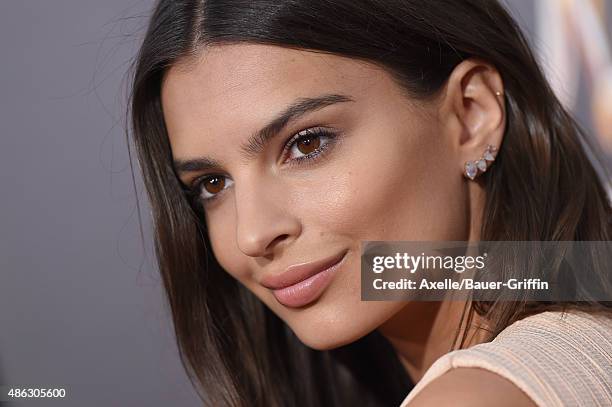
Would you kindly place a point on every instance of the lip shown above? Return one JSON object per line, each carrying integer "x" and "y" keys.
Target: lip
{"x": 301, "y": 284}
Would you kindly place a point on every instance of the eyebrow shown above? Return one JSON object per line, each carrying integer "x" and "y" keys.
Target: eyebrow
{"x": 256, "y": 142}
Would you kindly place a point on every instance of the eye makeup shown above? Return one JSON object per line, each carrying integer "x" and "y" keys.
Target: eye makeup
{"x": 326, "y": 138}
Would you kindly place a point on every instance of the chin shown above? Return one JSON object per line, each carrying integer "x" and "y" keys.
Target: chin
{"x": 326, "y": 342}
{"x": 325, "y": 334}
{"x": 328, "y": 325}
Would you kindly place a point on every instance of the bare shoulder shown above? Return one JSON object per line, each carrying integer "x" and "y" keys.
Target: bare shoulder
{"x": 468, "y": 386}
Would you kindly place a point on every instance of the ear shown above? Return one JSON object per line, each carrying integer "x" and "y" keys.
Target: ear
{"x": 473, "y": 113}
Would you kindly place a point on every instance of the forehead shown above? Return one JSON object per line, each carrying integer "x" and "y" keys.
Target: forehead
{"x": 230, "y": 90}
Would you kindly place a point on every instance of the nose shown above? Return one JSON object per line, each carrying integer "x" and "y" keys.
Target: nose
{"x": 264, "y": 218}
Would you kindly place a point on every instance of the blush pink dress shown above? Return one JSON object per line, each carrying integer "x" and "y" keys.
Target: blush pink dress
{"x": 556, "y": 359}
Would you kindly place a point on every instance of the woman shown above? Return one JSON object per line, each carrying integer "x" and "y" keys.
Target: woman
{"x": 274, "y": 137}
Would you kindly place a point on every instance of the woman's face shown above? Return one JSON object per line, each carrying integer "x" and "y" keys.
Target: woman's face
{"x": 357, "y": 160}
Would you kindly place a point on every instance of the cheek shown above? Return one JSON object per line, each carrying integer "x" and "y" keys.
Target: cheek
{"x": 395, "y": 187}
{"x": 223, "y": 244}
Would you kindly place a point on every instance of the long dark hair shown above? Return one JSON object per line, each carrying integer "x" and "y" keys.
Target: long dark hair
{"x": 542, "y": 186}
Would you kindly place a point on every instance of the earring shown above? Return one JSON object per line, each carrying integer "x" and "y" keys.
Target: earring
{"x": 471, "y": 168}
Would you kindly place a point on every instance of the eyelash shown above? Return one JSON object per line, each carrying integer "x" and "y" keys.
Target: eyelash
{"x": 312, "y": 132}
{"x": 195, "y": 190}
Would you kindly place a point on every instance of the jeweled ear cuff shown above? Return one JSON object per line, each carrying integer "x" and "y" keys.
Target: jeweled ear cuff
{"x": 472, "y": 168}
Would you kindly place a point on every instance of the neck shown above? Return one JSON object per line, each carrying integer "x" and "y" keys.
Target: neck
{"x": 421, "y": 332}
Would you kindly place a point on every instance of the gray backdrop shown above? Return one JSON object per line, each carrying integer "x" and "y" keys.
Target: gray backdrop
{"x": 81, "y": 304}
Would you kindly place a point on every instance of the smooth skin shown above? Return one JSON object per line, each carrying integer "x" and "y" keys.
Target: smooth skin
{"x": 391, "y": 171}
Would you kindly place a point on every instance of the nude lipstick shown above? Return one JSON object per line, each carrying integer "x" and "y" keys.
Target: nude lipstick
{"x": 302, "y": 284}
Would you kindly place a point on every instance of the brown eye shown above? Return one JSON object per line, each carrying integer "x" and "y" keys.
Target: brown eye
{"x": 308, "y": 144}
{"x": 214, "y": 185}
{"x": 210, "y": 186}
